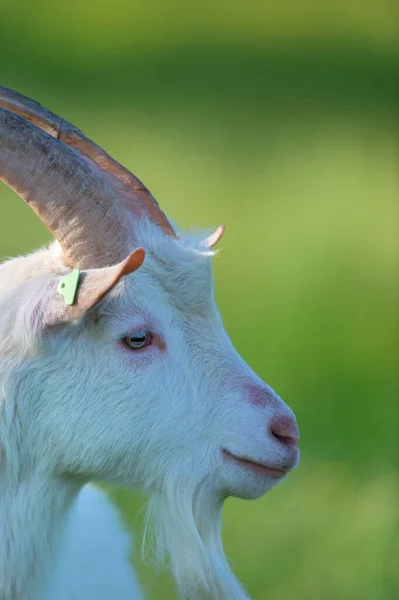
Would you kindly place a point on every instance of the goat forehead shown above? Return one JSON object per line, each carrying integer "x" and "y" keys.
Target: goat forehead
{"x": 182, "y": 280}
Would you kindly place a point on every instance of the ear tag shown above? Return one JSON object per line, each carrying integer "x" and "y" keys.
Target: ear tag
{"x": 68, "y": 285}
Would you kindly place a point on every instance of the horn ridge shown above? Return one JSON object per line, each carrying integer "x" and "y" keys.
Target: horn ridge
{"x": 68, "y": 193}
{"x": 71, "y": 136}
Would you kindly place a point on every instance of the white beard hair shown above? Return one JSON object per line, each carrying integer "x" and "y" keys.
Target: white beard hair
{"x": 184, "y": 523}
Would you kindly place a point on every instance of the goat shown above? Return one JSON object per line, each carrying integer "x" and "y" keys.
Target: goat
{"x": 133, "y": 380}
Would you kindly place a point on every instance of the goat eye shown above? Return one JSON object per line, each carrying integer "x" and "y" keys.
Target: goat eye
{"x": 138, "y": 341}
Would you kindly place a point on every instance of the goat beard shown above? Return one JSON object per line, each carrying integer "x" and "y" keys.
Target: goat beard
{"x": 184, "y": 523}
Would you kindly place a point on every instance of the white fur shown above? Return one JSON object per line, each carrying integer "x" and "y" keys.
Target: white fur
{"x": 76, "y": 406}
{"x": 93, "y": 562}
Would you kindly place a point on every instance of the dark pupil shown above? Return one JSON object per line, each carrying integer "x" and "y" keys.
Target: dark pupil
{"x": 139, "y": 339}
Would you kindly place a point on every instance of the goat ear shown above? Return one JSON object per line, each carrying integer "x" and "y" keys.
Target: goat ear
{"x": 215, "y": 237}
{"x": 58, "y": 305}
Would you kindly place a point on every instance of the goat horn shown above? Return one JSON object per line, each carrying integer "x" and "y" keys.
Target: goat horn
{"x": 87, "y": 161}
{"x": 65, "y": 191}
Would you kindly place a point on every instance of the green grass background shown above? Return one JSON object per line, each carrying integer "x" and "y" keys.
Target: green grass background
{"x": 279, "y": 120}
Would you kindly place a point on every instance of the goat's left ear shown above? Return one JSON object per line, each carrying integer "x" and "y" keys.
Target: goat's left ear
{"x": 70, "y": 297}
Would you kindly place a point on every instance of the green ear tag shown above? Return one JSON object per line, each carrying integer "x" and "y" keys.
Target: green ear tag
{"x": 68, "y": 285}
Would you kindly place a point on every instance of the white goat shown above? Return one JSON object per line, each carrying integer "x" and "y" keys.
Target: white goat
{"x": 135, "y": 381}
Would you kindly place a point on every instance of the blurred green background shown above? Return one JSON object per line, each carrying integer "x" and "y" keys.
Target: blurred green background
{"x": 278, "y": 119}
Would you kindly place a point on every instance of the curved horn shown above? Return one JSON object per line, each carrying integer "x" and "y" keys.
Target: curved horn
{"x": 71, "y": 198}
{"x": 114, "y": 180}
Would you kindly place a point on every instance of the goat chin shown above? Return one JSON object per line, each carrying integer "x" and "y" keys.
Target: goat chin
{"x": 183, "y": 523}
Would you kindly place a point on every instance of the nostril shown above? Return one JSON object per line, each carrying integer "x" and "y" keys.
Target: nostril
{"x": 285, "y": 430}
{"x": 287, "y": 440}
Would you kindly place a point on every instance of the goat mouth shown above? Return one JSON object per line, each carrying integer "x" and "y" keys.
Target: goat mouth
{"x": 255, "y": 467}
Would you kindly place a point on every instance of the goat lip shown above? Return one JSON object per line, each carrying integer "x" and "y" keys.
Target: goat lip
{"x": 256, "y": 467}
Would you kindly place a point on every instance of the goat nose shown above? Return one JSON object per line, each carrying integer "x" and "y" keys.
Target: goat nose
{"x": 285, "y": 430}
